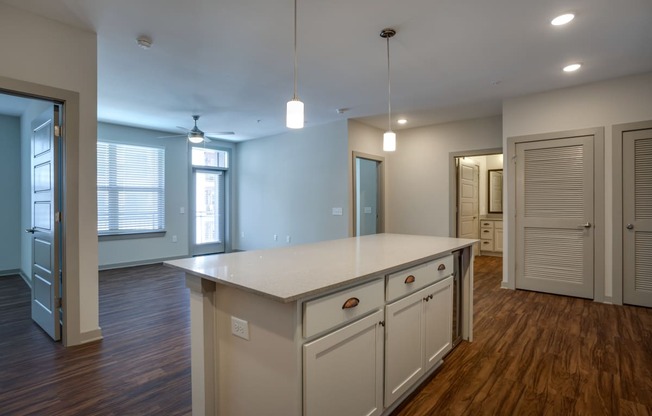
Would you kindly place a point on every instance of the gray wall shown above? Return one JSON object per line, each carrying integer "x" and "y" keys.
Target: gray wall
{"x": 288, "y": 185}
{"x": 418, "y": 182}
{"x": 601, "y": 104}
{"x": 114, "y": 253}
{"x": 10, "y": 190}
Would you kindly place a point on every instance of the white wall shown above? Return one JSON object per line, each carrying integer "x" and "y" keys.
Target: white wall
{"x": 288, "y": 185}
{"x": 10, "y": 232}
{"x": 48, "y": 53}
{"x": 601, "y": 104}
{"x": 418, "y": 183}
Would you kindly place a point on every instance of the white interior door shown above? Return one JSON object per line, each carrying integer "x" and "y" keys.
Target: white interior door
{"x": 637, "y": 217}
{"x": 367, "y": 196}
{"x": 468, "y": 204}
{"x": 46, "y": 274}
{"x": 554, "y": 216}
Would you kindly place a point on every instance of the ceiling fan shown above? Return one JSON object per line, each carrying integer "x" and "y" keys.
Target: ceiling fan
{"x": 195, "y": 135}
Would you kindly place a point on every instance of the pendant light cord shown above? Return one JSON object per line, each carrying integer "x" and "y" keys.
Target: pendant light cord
{"x": 389, "y": 91}
{"x": 295, "y": 51}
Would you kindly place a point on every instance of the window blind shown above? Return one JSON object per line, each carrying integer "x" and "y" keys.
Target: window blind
{"x": 130, "y": 188}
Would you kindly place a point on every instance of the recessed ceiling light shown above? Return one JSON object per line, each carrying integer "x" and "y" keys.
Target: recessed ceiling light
{"x": 562, "y": 19}
{"x": 572, "y": 67}
{"x": 401, "y": 121}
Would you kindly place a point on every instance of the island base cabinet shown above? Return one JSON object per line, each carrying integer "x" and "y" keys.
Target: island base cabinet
{"x": 419, "y": 334}
{"x": 343, "y": 370}
{"x": 438, "y": 325}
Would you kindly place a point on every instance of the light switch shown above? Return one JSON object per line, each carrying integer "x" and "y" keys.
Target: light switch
{"x": 367, "y": 210}
{"x": 182, "y": 210}
{"x": 337, "y": 211}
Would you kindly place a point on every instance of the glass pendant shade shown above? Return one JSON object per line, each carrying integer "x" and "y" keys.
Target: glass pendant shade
{"x": 295, "y": 114}
{"x": 389, "y": 141}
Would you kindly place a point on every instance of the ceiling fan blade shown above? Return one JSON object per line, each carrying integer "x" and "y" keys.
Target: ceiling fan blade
{"x": 221, "y": 133}
{"x": 169, "y": 137}
{"x": 183, "y": 128}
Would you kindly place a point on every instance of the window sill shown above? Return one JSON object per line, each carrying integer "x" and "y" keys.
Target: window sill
{"x": 130, "y": 236}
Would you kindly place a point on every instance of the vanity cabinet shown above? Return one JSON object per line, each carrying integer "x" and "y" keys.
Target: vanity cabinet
{"x": 491, "y": 234}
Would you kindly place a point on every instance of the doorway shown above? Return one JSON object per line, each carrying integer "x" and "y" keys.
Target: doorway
{"x": 472, "y": 214}
{"x": 34, "y": 197}
{"x": 368, "y": 198}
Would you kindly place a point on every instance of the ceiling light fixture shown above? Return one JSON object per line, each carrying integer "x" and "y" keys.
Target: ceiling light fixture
{"x": 389, "y": 138}
{"x": 401, "y": 121}
{"x": 294, "y": 118}
{"x": 572, "y": 67}
{"x": 562, "y": 19}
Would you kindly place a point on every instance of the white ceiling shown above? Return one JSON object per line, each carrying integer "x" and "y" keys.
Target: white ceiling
{"x": 232, "y": 61}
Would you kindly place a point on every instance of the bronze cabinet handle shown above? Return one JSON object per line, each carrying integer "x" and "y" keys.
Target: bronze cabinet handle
{"x": 410, "y": 279}
{"x": 351, "y": 303}
{"x": 441, "y": 267}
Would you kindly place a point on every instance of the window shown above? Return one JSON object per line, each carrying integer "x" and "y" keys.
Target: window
{"x": 130, "y": 189}
{"x": 213, "y": 158}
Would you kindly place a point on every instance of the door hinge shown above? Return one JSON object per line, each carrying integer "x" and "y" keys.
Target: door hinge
{"x": 58, "y": 303}
{"x": 57, "y": 131}
{"x": 57, "y": 216}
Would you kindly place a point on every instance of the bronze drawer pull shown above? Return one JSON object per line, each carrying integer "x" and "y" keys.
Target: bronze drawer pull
{"x": 410, "y": 279}
{"x": 351, "y": 303}
{"x": 441, "y": 267}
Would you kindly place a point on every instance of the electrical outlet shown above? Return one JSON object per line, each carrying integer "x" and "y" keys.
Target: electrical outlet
{"x": 275, "y": 237}
{"x": 174, "y": 239}
{"x": 240, "y": 328}
{"x": 288, "y": 239}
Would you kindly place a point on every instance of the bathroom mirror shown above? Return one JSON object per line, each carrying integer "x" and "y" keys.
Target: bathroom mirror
{"x": 495, "y": 188}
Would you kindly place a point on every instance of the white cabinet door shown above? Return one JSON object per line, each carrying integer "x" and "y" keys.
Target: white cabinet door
{"x": 404, "y": 363}
{"x": 343, "y": 371}
{"x": 498, "y": 240}
{"x": 438, "y": 321}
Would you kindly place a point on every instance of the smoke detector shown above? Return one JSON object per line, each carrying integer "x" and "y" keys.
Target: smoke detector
{"x": 144, "y": 42}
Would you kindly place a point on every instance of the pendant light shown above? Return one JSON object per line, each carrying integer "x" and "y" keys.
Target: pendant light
{"x": 389, "y": 138}
{"x": 294, "y": 118}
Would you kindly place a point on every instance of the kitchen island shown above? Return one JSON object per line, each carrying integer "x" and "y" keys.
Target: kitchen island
{"x": 347, "y": 327}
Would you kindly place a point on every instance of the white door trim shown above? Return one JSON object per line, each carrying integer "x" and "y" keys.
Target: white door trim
{"x": 509, "y": 216}
{"x": 618, "y": 131}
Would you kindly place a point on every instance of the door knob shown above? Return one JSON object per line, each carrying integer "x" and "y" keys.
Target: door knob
{"x": 587, "y": 225}
{"x": 30, "y": 230}
{"x": 630, "y": 226}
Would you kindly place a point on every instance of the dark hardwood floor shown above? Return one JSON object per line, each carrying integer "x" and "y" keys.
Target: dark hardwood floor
{"x": 540, "y": 354}
{"x": 141, "y": 367}
{"x": 532, "y": 354}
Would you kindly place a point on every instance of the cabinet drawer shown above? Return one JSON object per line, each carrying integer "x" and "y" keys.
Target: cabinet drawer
{"x": 332, "y": 310}
{"x": 414, "y": 278}
{"x": 487, "y": 245}
{"x": 487, "y": 233}
{"x": 487, "y": 224}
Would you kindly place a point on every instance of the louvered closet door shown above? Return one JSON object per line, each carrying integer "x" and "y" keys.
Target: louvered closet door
{"x": 637, "y": 218}
{"x": 554, "y": 216}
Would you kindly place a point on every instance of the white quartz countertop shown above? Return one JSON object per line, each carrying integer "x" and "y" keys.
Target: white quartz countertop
{"x": 290, "y": 273}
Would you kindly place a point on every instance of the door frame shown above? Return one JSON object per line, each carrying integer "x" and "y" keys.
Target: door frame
{"x": 618, "y": 130}
{"x": 381, "y": 191}
{"x": 452, "y": 182}
{"x": 69, "y": 168}
{"x": 509, "y": 214}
